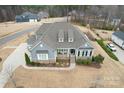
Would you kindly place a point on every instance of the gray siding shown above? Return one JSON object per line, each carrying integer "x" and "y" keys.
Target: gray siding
{"x": 51, "y": 52}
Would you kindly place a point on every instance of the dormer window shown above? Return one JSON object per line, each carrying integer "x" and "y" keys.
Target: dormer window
{"x": 61, "y": 36}
{"x": 61, "y": 39}
{"x": 70, "y": 40}
{"x": 70, "y": 36}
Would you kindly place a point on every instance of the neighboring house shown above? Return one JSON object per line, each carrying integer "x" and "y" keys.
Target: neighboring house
{"x": 27, "y": 17}
{"x": 42, "y": 15}
{"x": 60, "y": 39}
{"x": 115, "y": 21}
{"x": 118, "y": 38}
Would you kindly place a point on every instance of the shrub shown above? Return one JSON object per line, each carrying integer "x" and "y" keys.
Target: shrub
{"x": 84, "y": 61}
{"x": 0, "y": 59}
{"x": 27, "y": 59}
{"x": 98, "y": 59}
{"x": 108, "y": 51}
{"x": 83, "y": 24}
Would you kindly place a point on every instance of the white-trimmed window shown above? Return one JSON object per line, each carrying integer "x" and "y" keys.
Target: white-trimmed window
{"x": 42, "y": 56}
{"x": 61, "y": 39}
{"x": 70, "y": 40}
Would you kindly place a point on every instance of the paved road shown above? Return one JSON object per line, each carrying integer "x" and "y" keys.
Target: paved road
{"x": 119, "y": 53}
{"x": 8, "y": 38}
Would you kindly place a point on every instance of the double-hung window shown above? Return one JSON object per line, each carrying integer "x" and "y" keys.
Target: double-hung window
{"x": 42, "y": 56}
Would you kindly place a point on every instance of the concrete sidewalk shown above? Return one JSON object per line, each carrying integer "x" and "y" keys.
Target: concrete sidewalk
{"x": 12, "y": 62}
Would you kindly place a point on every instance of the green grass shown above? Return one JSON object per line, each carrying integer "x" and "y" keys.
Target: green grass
{"x": 107, "y": 50}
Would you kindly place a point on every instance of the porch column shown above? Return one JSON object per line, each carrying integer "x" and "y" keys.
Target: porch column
{"x": 68, "y": 52}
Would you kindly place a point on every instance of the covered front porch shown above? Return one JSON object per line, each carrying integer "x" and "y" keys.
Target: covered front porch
{"x": 65, "y": 52}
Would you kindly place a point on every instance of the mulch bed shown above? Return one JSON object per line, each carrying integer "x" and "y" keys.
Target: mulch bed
{"x": 59, "y": 63}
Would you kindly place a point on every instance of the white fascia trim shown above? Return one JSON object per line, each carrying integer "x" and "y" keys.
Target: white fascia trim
{"x": 35, "y": 45}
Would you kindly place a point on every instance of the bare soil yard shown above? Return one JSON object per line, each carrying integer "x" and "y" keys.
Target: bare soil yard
{"x": 81, "y": 76}
{"x": 12, "y": 27}
{"x": 104, "y": 34}
{"x": 7, "y": 28}
{"x": 109, "y": 75}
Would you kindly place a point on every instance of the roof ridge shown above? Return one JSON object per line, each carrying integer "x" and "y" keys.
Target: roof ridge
{"x": 41, "y": 37}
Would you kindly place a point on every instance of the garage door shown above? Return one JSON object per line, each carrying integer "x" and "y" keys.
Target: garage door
{"x": 42, "y": 56}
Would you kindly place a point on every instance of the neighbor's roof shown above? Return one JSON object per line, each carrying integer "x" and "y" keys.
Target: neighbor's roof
{"x": 48, "y": 34}
{"x": 26, "y": 15}
{"x": 119, "y": 34}
{"x": 43, "y": 14}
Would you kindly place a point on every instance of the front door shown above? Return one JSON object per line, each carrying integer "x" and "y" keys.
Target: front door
{"x": 72, "y": 51}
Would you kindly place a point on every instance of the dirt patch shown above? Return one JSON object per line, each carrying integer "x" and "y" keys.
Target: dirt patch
{"x": 12, "y": 27}
{"x": 4, "y": 53}
{"x": 104, "y": 34}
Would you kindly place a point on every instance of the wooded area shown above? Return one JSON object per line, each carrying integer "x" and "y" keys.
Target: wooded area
{"x": 8, "y": 12}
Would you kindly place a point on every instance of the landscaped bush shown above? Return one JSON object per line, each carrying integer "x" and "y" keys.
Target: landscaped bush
{"x": 84, "y": 61}
{"x": 98, "y": 59}
{"x": 108, "y": 51}
{"x": 27, "y": 59}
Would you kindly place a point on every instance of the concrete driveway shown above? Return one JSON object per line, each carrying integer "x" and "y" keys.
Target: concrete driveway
{"x": 13, "y": 61}
{"x": 119, "y": 53}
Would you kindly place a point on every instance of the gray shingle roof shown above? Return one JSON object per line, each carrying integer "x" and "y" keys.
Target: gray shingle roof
{"x": 50, "y": 31}
{"x": 119, "y": 34}
{"x": 61, "y": 34}
{"x": 42, "y": 51}
{"x": 70, "y": 33}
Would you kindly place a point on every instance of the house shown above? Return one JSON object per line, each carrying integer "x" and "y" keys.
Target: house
{"x": 60, "y": 39}
{"x": 118, "y": 38}
{"x": 27, "y": 17}
{"x": 42, "y": 15}
{"x": 115, "y": 21}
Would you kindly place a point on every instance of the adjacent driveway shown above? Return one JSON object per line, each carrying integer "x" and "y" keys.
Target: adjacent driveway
{"x": 119, "y": 53}
{"x": 12, "y": 62}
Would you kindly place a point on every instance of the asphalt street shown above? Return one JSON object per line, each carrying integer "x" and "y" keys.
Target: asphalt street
{"x": 8, "y": 38}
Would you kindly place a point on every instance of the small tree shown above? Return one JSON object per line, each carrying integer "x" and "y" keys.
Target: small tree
{"x": 27, "y": 59}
